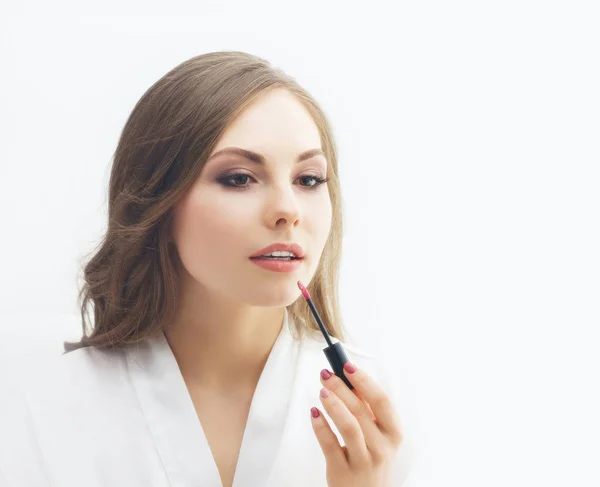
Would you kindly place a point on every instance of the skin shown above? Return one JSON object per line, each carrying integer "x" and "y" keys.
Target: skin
{"x": 369, "y": 425}
{"x": 231, "y": 310}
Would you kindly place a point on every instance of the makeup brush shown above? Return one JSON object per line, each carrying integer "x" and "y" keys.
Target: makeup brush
{"x": 334, "y": 352}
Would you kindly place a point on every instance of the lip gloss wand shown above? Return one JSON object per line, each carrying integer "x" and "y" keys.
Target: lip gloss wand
{"x": 334, "y": 352}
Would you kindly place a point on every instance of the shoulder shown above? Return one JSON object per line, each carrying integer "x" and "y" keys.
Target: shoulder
{"x": 78, "y": 370}
{"x": 67, "y": 403}
{"x": 62, "y": 384}
{"x": 21, "y": 461}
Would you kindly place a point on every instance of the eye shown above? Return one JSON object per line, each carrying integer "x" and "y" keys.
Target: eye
{"x": 317, "y": 181}
{"x": 240, "y": 181}
{"x": 236, "y": 178}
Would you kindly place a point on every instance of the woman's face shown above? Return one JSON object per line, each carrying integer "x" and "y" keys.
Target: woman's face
{"x": 237, "y": 207}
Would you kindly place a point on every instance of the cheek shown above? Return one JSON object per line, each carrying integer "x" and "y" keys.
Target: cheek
{"x": 320, "y": 214}
{"x": 209, "y": 229}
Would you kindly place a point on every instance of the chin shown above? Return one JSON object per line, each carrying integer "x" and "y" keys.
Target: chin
{"x": 273, "y": 295}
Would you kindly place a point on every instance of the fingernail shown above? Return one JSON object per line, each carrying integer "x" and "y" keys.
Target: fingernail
{"x": 325, "y": 392}
{"x": 314, "y": 412}
{"x": 325, "y": 374}
{"x": 348, "y": 367}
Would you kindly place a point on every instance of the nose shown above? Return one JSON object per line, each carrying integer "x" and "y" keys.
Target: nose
{"x": 283, "y": 208}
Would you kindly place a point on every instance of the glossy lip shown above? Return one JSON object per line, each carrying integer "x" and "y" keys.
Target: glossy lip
{"x": 279, "y": 265}
{"x": 290, "y": 247}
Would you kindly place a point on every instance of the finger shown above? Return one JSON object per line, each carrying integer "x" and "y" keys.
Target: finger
{"x": 359, "y": 408}
{"x": 364, "y": 401}
{"x": 381, "y": 404}
{"x": 328, "y": 441}
{"x": 347, "y": 425}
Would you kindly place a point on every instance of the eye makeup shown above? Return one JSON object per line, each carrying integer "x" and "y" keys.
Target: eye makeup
{"x": 226, "y": 180}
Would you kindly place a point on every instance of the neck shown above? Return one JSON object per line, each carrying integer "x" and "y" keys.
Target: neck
{"x": 221, "y": 345}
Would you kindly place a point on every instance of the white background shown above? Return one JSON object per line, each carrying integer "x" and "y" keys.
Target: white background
{"x": 469, "y": 157}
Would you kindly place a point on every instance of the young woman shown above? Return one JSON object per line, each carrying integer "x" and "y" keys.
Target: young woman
{"x": 203, "y": 364}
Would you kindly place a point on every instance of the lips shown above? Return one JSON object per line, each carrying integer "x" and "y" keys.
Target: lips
{"x": 279, "y": 265}
{"x": 293, "y": 247}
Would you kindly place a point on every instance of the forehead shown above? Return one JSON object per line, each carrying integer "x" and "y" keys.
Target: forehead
{"x": 276, "y": 124}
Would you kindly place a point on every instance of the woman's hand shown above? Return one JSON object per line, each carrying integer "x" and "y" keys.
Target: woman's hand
{"x": 367, "y": 422}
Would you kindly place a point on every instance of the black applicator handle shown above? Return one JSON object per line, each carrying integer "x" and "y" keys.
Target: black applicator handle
{"x": 336, "y": 356}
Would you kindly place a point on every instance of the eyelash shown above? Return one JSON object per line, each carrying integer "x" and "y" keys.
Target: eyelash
{"x": 224, "y": 181}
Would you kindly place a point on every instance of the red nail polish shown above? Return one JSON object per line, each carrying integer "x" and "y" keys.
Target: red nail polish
{"x": 348, "y": 367}
{"x": 325, "y": 374}
{"x": 315, "y": 412}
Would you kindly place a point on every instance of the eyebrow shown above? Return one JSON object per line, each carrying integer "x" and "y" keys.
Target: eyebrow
{"x": 259, "y": 159}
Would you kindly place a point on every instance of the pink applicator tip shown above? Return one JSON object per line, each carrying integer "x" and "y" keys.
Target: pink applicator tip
{"x": 305, "y": 292}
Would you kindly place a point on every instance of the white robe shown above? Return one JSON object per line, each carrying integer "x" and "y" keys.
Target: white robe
{"x": 99, "y": 418}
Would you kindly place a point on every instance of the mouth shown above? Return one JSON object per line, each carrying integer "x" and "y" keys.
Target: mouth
{"x": 278, "y": 264}
{"x": 280, "y": 251}
{"x": 276, "y": 258}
